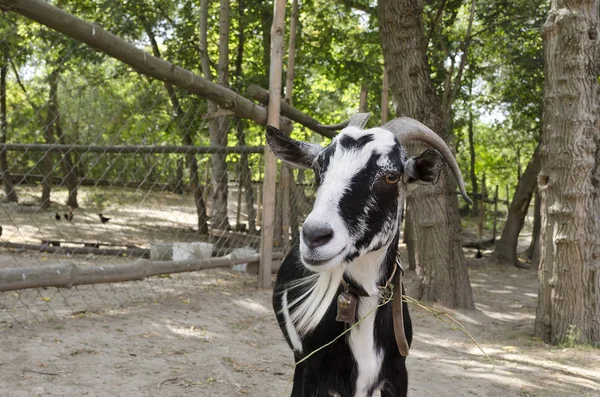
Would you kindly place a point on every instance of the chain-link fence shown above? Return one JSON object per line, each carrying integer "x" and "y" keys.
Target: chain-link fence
{"x": 102, "y": 166}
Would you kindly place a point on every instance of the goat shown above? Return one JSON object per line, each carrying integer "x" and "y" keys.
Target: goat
{"x": 348, "y": 249}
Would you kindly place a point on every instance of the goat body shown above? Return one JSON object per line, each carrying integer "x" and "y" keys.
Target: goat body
{"x": 365, "y": 359}
{"x": 350, "y": 239}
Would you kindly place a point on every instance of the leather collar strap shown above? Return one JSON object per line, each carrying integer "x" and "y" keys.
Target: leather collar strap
{"x": 398, "y": 314}
{"x": 355, "y": 290}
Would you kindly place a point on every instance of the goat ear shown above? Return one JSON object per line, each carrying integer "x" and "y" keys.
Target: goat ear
{"x": 425, "y": 168}
{"x": 298, "y": 154}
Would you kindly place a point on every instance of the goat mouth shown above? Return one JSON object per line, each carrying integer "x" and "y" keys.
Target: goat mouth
{"x": 319, "y": 262}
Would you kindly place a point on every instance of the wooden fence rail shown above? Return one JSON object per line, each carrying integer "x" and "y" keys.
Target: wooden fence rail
{"x": 67, "y": 275}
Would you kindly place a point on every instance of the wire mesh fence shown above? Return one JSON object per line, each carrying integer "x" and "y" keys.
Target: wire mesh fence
{"x": 101, "y": 166}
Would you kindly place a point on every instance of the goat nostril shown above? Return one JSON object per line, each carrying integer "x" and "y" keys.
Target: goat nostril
{"x": 316, "y": 235}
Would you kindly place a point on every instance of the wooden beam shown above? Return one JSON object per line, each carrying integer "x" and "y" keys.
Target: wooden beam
{"x": 112, "y": 45}
{"x": 67, "y": 275}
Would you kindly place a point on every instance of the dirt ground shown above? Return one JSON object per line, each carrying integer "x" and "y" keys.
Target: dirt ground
{"x": 212, "y": 333}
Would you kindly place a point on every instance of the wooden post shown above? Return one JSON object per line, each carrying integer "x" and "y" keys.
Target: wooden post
{"x": 385, "y": 101}
{"x": 270, "y": 182}
{"x": 494, "y": 231}
{"x": 364, "y": 91}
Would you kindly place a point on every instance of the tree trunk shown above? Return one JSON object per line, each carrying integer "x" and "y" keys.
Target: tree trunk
{"x": 217, "y": 126}
{"x": 245, "y": 174}
{"x": 9, "y": 188}
{"x": 363, "y": 100}
{"x": 569, "y": 272}
{"x": 410, "y": 240}
{"x": 472, "y": 160}
{"x": 71, "y": 177}
{"x": 506, "y": 247}
{"x": 187, "y": 139}
{"x": 533, "y": 252}
{"x": 246, "y": 178}
{"x": 49, "y": 138}
{"x": 385, "y": 101}
{"x": 434, "y": 209}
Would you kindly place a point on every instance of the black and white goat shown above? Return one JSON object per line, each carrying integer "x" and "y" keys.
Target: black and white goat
{"x": 348, "y": 244}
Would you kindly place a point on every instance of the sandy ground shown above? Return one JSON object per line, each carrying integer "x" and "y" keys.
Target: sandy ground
{"x": 212, "y": 333}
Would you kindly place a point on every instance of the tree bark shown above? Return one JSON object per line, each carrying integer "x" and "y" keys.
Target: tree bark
{"x": 9, "y": 188}
{"x": 506, "y": 247}
{"x": 385, "y": 101}
{"x": 533, "y": 252}
{"x": 569, "y": 181}
{"x": 434, "y": 209}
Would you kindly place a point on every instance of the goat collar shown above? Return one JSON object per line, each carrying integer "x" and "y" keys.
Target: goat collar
{"x": 398, "y": 313}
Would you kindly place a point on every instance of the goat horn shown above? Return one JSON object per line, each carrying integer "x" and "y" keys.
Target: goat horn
{"x": 407, "y": 129}
{"x": 356, "y": 120}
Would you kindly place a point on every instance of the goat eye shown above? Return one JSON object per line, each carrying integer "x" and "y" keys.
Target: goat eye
{"x": 392, "y": 179}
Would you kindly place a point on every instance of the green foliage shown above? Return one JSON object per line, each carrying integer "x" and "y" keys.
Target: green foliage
{"x": 104, "y": 102}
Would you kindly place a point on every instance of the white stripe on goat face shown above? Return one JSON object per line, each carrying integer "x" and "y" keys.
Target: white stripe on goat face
{"x": 349, "y": 172}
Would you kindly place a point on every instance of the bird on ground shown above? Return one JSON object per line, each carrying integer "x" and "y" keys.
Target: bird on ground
{"x": 56, "y": 216}
{"x": 103, "y": 219}
{"x": 69, "y": 216}
{"x": 478, "y": 255}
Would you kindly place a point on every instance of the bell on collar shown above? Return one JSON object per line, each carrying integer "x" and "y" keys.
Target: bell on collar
{"x": 346, "y": 308}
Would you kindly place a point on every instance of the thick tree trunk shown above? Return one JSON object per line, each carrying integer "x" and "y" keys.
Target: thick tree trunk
{"x": 506, "y": 247}
{"x": 569, "y": 295}
{"x": 410, "y": 239}
{"x": 9, "y": 188}
{"x": 187, "y": 139}
{"x": 434, "y": 209}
